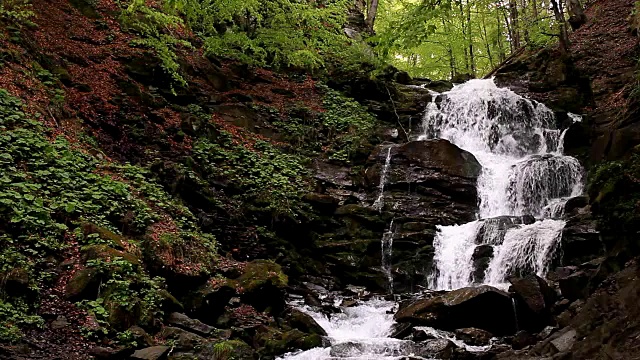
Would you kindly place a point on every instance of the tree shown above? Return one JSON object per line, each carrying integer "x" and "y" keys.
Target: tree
{"x": 372, "y": 12}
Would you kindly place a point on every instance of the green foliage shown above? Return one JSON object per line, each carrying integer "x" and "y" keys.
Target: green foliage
{"x": 16, "y": 12}
{"x": 348, "y": 124}
{"x": 444, "y": 39}
{"x": 14, "y": 316}
{"x": 338, "y": 132}
{"x": 614, "y": 187}
{"x": 156, "y": 29}
{"x": 263, "y": 175}
{"x": 126, "y": 287}
{"x": 48, "y": 187}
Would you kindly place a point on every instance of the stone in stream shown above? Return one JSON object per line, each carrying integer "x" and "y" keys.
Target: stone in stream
{"x": 473, "y": 336}
{"x": 482, "y": 307}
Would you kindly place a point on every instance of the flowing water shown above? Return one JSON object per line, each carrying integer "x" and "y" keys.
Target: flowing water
{"x": 387, "y": 253}
{"x": 361, "y": 333}
{"x": 524, "y": 173}
{"x": 523, "y": 187}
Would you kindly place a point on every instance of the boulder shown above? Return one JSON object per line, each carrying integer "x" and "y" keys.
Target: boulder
{"x": 534, "y": 299}
{"x": 576, "y": 285}
{"x": 473, "y": 336}
{"x": 262, "y": 285}
{"x": 482, "y": 307}
{"x": 82, "y": 285}
{"x": 183, "y": 340}
{"x": 436, "y": 348}
{"x": 304, "y": 322}
{"x": 195, "y": 326}
{"x": 151, "y": 353}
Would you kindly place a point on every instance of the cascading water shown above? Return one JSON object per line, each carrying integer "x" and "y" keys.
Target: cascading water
{"x": 379, "y": 203}
{"x": 387, "y": 253}
{"x": 524, "y": 174}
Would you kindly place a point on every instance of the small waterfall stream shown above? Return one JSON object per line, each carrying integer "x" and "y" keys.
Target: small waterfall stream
{"x": 524, "y": 174}
{"x": 387, "y": 253}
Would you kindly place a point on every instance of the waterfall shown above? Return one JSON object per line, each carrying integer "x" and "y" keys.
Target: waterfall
{"x": 379, "y": 203}
{"x": 524, "y": 176}
{"x": 387, "y": 253}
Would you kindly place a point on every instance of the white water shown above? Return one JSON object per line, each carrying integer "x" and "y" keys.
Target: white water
{"x": 379, "y": 203}
{"x": 523, "y": 173}
{"x": 387, "y": 254}
{"x": 367, "y": 325}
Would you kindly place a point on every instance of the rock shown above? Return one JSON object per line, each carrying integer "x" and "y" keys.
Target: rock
{"x": 272, "y": 342}
{"x": 59, "y": 323}
{"x": 401, "y": 330}
{"x": 104, "y": 353}
{"x": 169, "y": 303}
{"x": 151, "y": 353}
{"x": 353, "y": 349}
{"x": 15, "y": 282}
{"x": 229, "y": 349}
{"x": 522, "y": 339}
{"x": 473, "y": 336}
{"x": 196, "y": 326}
{"x": 420, "y": 334}
{"x": 262, "y": 285}
{"x": 565, "y": 341}
{"x": 349, "y": 303}
{"x": 209, "y": 302}
{"x": 435, "y": 348}
{"x": 140, "y": 336}
{"x": 482, "y": 256}
{"x": 104, "y": 252}
{"x": 534, "y": 298}
{"x": 82, "y": 285}
{"x": 304, "y": 322}
{"x": 576, "y": 285}
{"x": 183, "y": 339}
{"x": 482, "y": 307}
{"x": 581, "y": 241}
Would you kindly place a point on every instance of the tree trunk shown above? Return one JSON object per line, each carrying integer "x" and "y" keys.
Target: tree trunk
{"x": 515, "y": 28}
{"x": 360, "y": 5}
{"x": 470, "y": 40}
{"x": 371, "y": 14}
{"x": 564, "y": 37}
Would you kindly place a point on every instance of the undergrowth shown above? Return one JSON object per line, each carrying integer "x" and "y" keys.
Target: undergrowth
{"x": 48, "y": 189}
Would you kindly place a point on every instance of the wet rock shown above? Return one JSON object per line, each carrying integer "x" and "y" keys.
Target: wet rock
{"x": 438, "y": 348}
{"x": 418, "y": 334}
{"x": 482, "y": 307}
{"x": 272, "y": 342}
{"x": 401, "y": 330}
{"x": 473, "y": 336}
{"x": 151, "y": 353}
{"x": 482, "y": 256}
{"x": 581, "y": 241}
{"x": 304, "y": 322}
{"x": 189, "y": 324}
{"x": 534, "y": 299}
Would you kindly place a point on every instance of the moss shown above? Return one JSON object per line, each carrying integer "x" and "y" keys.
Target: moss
{"x": 262, "y": 272}
{"x": 104, "y": 252}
